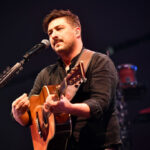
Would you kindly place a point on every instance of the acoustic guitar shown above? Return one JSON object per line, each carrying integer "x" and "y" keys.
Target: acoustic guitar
{"x": 46, "y": 127}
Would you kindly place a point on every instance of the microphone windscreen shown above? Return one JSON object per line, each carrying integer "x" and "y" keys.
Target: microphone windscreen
{"x": 46, "y": 43}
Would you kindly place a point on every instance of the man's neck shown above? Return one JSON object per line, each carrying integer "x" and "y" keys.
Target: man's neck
{"x": 68, "y": 57}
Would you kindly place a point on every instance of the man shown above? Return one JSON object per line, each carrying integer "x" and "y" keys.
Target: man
{"x": 94, "y": 121}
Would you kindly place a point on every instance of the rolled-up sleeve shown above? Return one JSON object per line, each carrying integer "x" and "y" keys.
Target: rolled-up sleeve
{"x": 103, "y": 81}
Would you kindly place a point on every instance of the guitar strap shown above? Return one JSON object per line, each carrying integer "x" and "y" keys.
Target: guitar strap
{"x": 85, "y": 57}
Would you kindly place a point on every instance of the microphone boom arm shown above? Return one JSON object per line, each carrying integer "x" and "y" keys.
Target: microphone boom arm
{"x": 9, "y": 73}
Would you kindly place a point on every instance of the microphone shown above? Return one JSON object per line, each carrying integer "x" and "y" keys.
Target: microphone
{"x": 37, "y": 48}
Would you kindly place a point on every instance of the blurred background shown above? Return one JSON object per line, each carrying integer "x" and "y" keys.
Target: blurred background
{"x": 121, "y": 28}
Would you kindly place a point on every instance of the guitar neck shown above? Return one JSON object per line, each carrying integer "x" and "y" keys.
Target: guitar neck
{"x": 61, "y": 88}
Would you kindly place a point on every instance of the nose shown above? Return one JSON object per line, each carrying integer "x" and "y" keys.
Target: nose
{"x": 54, "y": 35}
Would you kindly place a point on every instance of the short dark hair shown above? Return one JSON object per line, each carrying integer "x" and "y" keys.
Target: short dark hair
{"x": 71, "y": 17}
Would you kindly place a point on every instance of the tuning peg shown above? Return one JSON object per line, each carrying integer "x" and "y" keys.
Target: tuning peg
{"x": 76, "y": 86}
{"x": 7, "y": 68}
{"x": 21, "y": 68}
{"x": 70, "y": 82}
{"x": 78, "y": 76}
{"x": 72, "y": 72}
{"x": 80, "y": 82}
{"x": 4, "y": 71}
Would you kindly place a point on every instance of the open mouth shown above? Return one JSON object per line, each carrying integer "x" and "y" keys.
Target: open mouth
{"x": 57, "y": 42}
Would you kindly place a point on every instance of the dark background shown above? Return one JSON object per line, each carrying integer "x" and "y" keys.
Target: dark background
{"x": 122, "y": 25}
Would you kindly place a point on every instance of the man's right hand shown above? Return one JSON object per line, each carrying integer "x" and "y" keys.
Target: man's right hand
{"x": 19, "y": 109}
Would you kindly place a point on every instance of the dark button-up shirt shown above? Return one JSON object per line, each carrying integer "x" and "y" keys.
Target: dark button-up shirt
{"x": 98, "y": 92}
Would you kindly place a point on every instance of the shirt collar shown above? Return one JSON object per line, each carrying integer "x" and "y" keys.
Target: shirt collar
{"x": 73, "y": 61}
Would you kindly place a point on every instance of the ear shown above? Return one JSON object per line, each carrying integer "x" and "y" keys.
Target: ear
{"x": 78, "y": 32}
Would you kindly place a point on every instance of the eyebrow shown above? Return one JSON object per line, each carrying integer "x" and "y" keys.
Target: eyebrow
{"x": 55, "y": 28}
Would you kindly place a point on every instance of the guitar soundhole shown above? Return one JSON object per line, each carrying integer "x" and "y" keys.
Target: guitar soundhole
{"x": 42, "y": 124}
{"x": 45, "y": 117}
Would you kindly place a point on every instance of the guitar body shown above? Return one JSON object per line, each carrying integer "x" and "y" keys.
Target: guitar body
{"x": 51, "y": 131}
{"x": 43, "y": 126}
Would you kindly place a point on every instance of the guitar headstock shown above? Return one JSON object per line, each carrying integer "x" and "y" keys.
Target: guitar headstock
{"x": 76, "y": 75}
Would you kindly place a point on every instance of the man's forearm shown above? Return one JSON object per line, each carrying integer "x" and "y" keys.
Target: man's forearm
{"x": 80, "y": 109}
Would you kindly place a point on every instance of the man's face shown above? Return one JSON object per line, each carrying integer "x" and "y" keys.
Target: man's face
{"x": 62, "y": 35}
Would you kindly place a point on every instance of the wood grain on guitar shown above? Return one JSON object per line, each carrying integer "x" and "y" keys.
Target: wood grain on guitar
{"x": 45, "y": 125}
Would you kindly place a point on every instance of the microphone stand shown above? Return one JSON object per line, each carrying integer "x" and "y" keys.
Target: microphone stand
{"x": 10, "y": 72}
